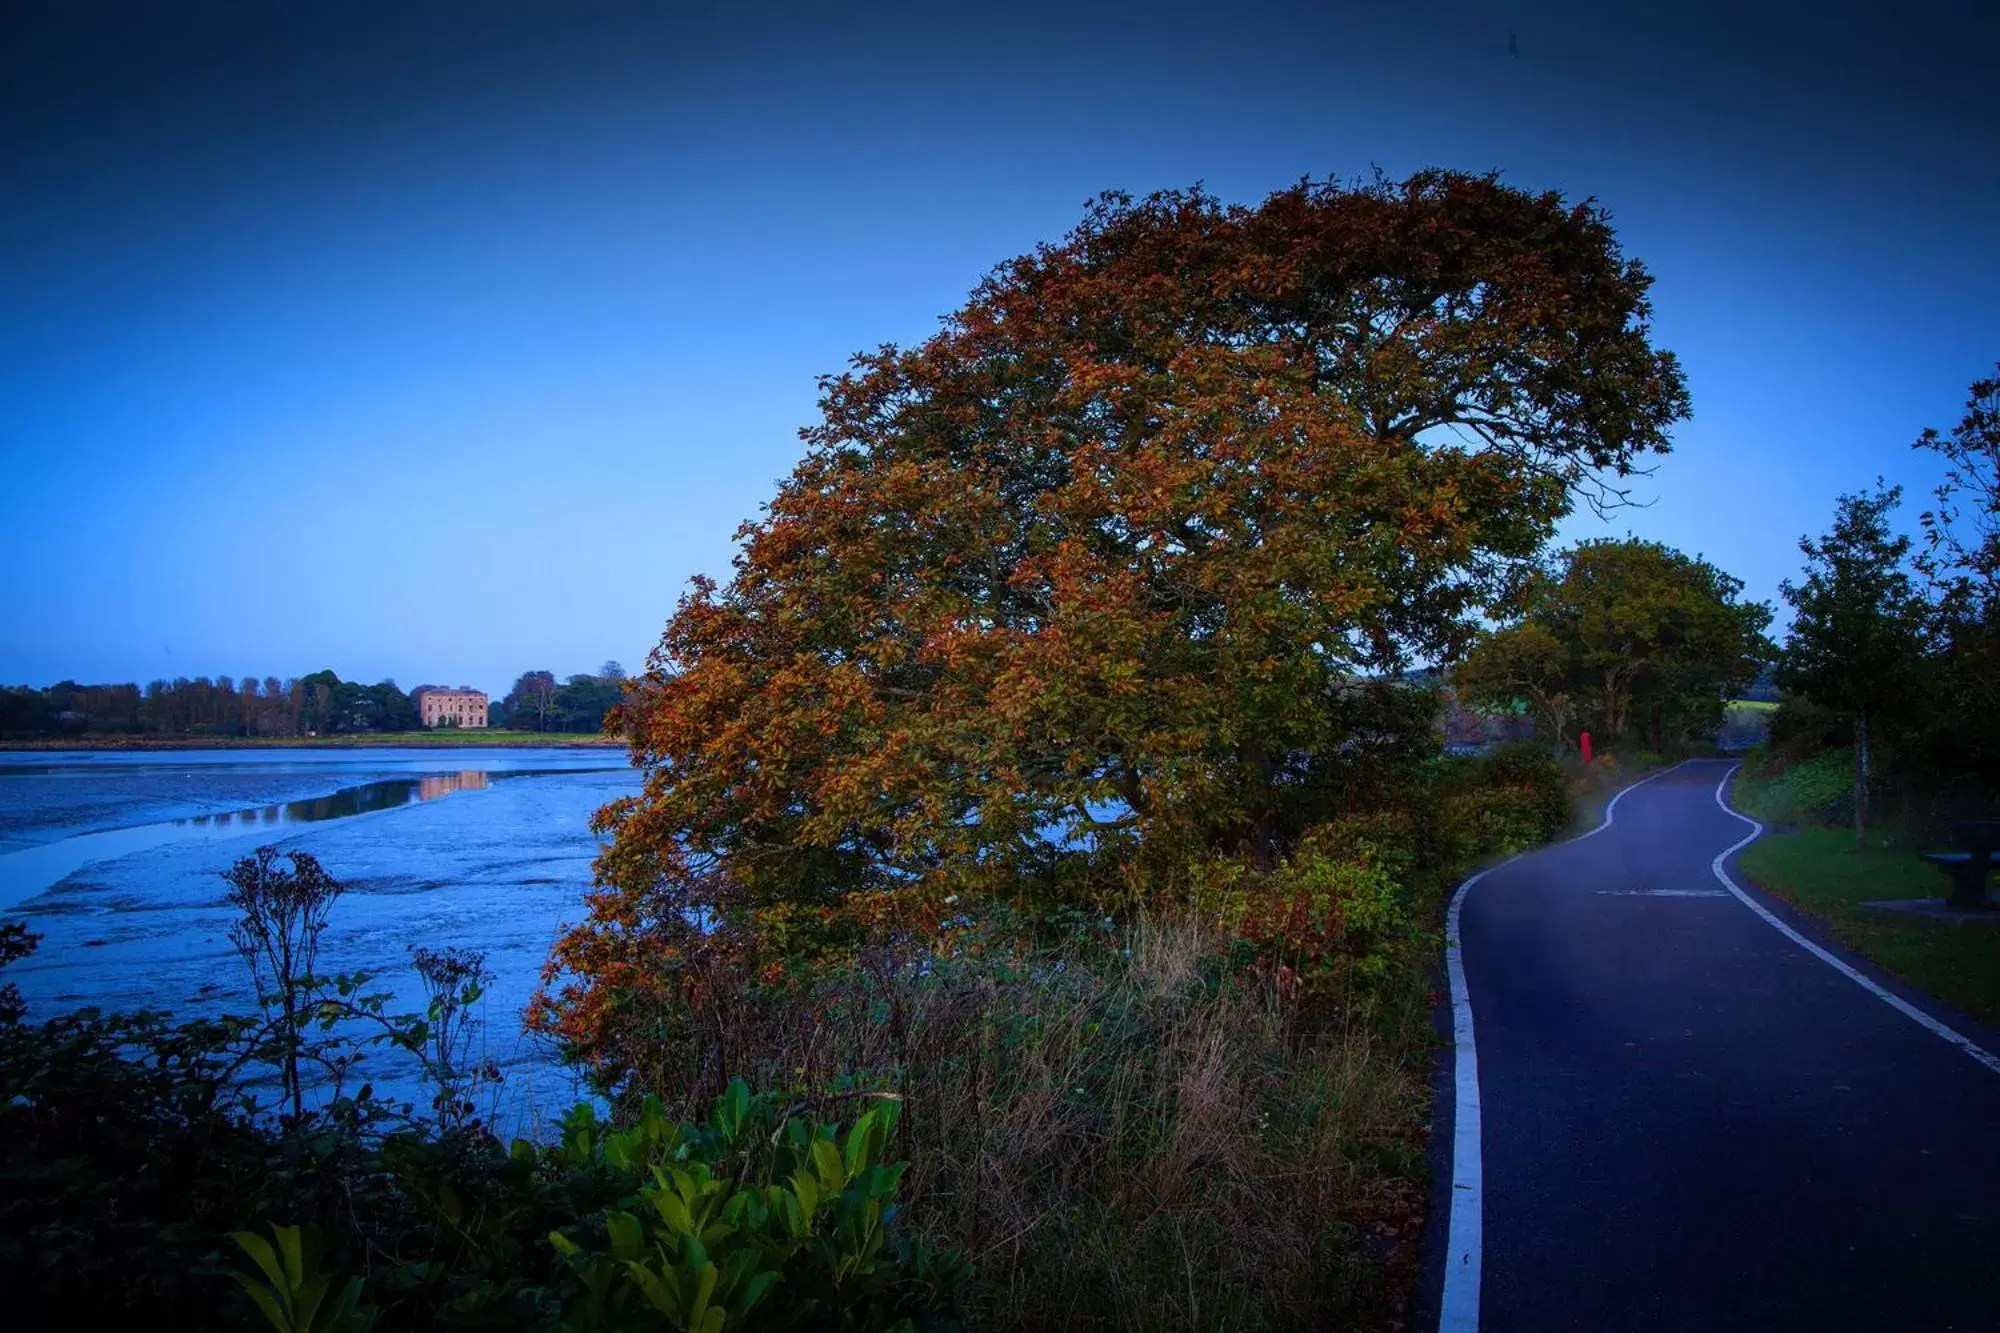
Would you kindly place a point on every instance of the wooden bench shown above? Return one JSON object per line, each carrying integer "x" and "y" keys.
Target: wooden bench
{"x": 1969, "y": 870}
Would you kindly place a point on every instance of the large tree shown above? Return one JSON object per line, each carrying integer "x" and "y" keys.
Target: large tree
{"x": 584, "y": 701}
{"x": 532, "y": 704}
{"x": 1635, "y": 637}
{"x": 1857, "y": 636}
{"x": 1117, "y": 567}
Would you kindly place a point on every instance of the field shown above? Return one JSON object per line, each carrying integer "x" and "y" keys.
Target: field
{"x": 1819, "y": 871}
{"x": 444, "y": 737}
{"x": 1745, "y": 722}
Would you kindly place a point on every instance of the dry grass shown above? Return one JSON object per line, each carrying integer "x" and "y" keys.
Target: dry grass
{"x": 1133, "y": 1132}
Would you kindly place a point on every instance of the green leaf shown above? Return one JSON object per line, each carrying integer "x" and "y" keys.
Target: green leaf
{"x": 292, "y": 1246}
{"x": 861, "y": 1140}
{"x": 274, "y": 1314}
{"x": 672, "y": 1211}
{"x": 656, "y": 1291}
{"x": 758, "y": 1288}
{"x": 797, "y": 1222}
{"x": 731, "y": 1107}
{"x": 807, "y": 1191}
{"x": 305, "y": 1302}
{"x": 704, "y": 1288}
{"x": 261, "y": 1253}
{"x": 347, "y": 1311}
{"x": 626, "y": 1236}
{"x": 826, "y": 1159}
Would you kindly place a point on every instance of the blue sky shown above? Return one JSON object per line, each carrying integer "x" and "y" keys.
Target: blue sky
{"x": 303, "y": 305}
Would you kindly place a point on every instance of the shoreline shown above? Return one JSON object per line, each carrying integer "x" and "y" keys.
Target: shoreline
{"x": 454, "y": 739}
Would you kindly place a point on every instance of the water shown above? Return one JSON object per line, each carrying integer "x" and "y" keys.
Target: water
{"x": 114, "y": 859}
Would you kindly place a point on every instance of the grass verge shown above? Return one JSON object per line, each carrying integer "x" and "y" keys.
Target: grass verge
{"x": 1819, "y": 871}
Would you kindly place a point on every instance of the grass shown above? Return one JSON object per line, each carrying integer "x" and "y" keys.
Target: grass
{"x": 1819, "y": 871}
{"x": 443, "y": 737}
{"x": 1745, "y": 722}
{"x": 1130, "y": 1131}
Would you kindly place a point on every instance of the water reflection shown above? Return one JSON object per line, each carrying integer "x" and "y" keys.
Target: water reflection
{"x": 348, "y": 801}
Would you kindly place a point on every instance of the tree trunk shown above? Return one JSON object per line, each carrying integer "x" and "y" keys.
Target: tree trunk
{"x": 1861, "y": 783}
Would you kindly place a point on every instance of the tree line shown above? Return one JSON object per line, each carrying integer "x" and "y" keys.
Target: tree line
{"x": 318, "y": 704}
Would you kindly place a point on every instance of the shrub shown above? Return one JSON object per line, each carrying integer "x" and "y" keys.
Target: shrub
{"x": 1497, "y": 804}
{"x": 757, "y": 1220}
{"x": 1800, "y": 727}
{"x": 1782, "y": 791}
{"x": 1321, "y": 920}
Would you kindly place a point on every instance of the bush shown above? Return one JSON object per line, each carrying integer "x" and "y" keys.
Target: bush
{"x": 1799, "y": 727}
{"x": 1497, "y": 804}
{"x": 1786, "y": 792}
{"x": 1330, "y": 917}
{"x": 753, "y": 1219}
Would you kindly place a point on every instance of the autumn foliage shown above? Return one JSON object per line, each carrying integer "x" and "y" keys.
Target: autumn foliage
{"x": 1114, "y": 575}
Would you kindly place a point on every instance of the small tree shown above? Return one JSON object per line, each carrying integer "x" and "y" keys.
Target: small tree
{"x": 1857, "y": 627}
{"x": 454, "y": 980}
{"x": 281, "y": 915}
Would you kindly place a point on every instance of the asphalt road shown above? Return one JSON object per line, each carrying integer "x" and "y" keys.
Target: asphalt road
{"x": 1688, "y": 1121}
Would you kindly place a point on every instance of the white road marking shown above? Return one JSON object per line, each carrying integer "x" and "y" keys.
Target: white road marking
{"x": 1896, "y": 1002}
{"x": 1458, "y": 1306}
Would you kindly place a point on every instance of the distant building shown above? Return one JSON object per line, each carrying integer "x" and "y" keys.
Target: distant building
{"x": 438, "y": 706}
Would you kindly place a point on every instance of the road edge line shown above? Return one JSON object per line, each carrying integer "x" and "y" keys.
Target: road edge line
{"x": 1458, "y": 1303}
{"x": 1944, "y": 1030}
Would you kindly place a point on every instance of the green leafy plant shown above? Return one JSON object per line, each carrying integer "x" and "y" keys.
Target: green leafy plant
{"x": 750, "y": 1220}
{"x": 293, "y": 1296}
